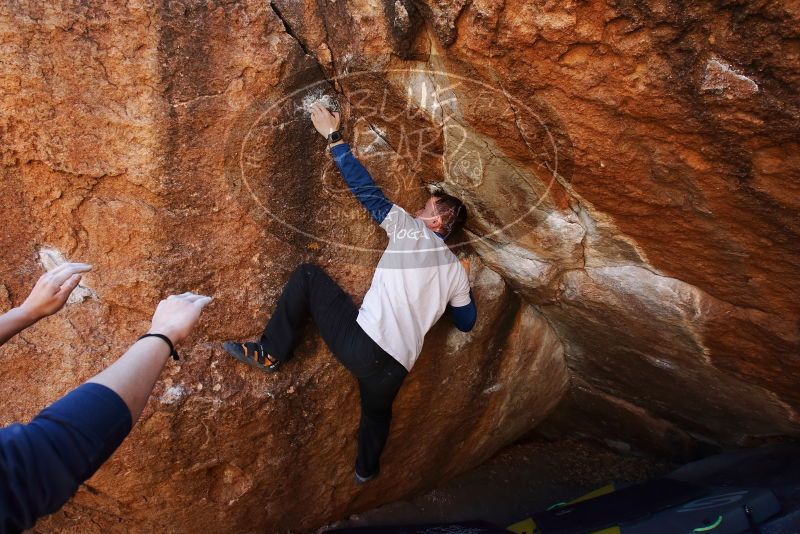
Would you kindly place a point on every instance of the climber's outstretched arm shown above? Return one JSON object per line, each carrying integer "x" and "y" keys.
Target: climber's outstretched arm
{"x": 43, "y": 463}
{"x": 47, "y": 297}
{"x": 357, "y": 177}
{"x": 360, "y": 182}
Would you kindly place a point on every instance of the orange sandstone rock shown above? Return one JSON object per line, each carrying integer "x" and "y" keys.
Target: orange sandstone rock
{"x": 631, "y": 173}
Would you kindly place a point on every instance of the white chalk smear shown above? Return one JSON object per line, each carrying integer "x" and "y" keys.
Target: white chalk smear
{"x": 401, "y": 19}
{"x": 173, "y": 394}
{"x": 492, "y": 389}
{"x": 721, "y": 77}
{"x": 318, "y": 96}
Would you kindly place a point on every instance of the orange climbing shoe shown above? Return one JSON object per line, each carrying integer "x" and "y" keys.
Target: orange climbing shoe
{"x": 252, "y": 354}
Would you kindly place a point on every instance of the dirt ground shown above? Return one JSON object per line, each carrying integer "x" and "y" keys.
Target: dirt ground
{"x": 517, "y": 481}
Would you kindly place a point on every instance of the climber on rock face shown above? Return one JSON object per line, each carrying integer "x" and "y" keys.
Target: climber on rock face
{"x": 416, "y": 280}
{"x": 43, "y": 463}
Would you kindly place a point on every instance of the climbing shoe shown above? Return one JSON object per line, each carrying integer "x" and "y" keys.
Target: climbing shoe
{"x": 360, "y": 480}
{"x": 252, "y": 354}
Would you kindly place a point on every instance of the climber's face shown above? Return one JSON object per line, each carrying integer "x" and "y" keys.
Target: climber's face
{"x": 431, "y": 215}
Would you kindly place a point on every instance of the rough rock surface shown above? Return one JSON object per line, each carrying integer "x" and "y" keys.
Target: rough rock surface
{"x": 632, "y": 174}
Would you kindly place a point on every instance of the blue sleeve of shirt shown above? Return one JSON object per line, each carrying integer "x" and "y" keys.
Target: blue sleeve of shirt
{"x": 361, "y": 183}
{"x": 464, "y": 317}
{"x": 43, "y": 463}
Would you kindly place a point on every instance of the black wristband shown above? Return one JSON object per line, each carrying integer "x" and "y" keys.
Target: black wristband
{"x": 172, "y": 351}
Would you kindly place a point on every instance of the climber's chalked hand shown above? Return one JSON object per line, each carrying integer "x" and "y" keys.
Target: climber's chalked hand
{"x": 53, "y": 289}
{"x": 324, "y": 121}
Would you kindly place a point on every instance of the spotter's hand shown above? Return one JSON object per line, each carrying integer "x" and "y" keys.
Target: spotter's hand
{"x": 53, "y": 289}
{"x": 324, "y": 121}
{"x": 176, "y": 315}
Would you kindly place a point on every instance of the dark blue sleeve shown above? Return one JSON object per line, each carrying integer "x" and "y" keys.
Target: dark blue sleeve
{"x": 361, "y": 183}
{"x": 43, "y": 463}
{"x": 464, "y": 317}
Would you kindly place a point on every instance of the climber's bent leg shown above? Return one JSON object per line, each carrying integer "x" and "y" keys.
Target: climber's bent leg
{"x": 378, "y": 392}
{"x": 311, "y": 292}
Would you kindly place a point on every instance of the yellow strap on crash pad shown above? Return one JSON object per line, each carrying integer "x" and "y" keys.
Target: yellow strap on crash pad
{"x": 605, "y": 490}
{"x": 528, "y": 526}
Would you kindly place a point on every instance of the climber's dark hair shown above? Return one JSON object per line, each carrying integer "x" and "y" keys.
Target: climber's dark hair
{"x": 453, "y": 212}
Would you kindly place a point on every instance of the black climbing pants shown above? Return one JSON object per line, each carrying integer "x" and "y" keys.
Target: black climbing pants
{"x": 311, "y": 292}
